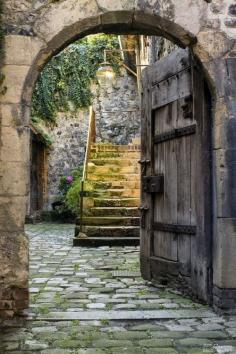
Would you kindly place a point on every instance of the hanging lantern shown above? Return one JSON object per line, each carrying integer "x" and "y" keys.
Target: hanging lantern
{"x": 105, "y": 74}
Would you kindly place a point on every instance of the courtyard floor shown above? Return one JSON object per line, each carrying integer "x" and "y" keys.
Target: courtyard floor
{"x": 94, "y": 301}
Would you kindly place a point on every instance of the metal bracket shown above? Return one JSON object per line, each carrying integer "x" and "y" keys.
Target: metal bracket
{"x": 175, "y": 228}
{"x": 153, "y": 184}
{"x": 175, "y": 133}
{"x": 143, "y": 210}
{"x": 143, "y": 163}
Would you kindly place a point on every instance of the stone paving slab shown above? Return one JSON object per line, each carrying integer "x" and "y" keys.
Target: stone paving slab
{"x": 126, "y": 315}
{"x": 94, "y": 301}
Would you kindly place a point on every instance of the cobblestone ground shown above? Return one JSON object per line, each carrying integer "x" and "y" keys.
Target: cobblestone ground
{"x": 93, "y": 301}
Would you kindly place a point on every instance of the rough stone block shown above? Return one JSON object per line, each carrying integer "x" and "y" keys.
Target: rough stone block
{"x": 14, "y": 179}
{"x": 15, "y": 144}
{"x": 11, "y": 115}
{"x": 12, "y": 213}
{"x": 224, "y": 265}
{"x": 57, "y": 18}
{"x": 14, "y": 81}
{"x": 14, "y": 265}
{"x": 21, "y": 50}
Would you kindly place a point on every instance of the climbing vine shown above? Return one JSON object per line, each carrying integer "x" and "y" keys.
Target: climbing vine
{"x": 65, "y": 82}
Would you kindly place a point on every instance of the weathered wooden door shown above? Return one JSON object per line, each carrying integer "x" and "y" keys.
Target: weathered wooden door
{"x": 176, "y": 175}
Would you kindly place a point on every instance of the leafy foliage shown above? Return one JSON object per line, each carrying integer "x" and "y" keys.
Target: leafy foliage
{"x": 69, "y": 188}
{"x": 64, "y": 84}
{"x": 45, "y": 137}
{"x": 73, "y": 195}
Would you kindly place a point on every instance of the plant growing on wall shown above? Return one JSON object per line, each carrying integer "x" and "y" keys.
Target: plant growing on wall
{"x": 64, "y": 83}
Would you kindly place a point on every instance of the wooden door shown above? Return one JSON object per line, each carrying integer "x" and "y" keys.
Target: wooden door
{"x": 176, "y": 227}
{"x": 37, "y": 181}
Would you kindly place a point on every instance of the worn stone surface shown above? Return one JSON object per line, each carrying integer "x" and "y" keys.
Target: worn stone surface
{"x": 117, "y": 109}
{"x": 95, "y": 301}
{"x": 69, "y": 138}
{"x": 208, "y": 26}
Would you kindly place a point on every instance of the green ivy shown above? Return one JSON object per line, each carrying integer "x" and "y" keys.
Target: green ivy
{"x": 65, "y": 82}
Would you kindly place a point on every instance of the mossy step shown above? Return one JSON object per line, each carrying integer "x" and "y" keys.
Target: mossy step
{"x": 101, "y": 155}
{"x": 111, "y": 147}
{"x": 113, "y": 177}
{"x": 109, "y": 231}
{"x": 119, "y": 202}
{"x": 114, "y": 161}
{"x": 124, "y": 193}
{"x": 115, "y": 193}
{"x": 110, "y": 169}
{"x": 123, "y": 184}
{"x": 113, "y": 211}
{"x": 109, "y": 221}
{"x": 106, "y": 241}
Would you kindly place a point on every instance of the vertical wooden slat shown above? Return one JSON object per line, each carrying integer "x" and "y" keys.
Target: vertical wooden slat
{"x": 183, "y": 193}
{"x": 146, "y": 201}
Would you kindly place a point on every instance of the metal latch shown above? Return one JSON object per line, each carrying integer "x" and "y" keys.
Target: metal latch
{"x": 143, "y": 163}
{"x": 143, "y": 210}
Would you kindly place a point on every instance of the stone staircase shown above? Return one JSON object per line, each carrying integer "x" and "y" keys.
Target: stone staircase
{"x": 111, "y": 215}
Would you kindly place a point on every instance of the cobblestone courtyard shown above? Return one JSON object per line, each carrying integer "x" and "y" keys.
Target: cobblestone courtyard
{"x": 93, "y": 301}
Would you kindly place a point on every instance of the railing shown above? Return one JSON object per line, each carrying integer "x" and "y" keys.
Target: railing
{"x": 91, "y": 138}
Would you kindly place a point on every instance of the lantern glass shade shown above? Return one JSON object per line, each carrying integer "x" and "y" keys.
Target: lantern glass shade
{"x": 105, "y": 74}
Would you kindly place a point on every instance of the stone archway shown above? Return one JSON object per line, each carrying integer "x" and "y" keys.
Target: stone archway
{"x": 34, "y": 35}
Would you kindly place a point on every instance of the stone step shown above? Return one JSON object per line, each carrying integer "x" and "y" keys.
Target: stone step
{"x": 124, "y": 193}
{"x": 106, "y": 241}
{"x": 110, "y": 169}
{"x": 119, "y": 202}
{"x": 115, "y": 193}
{"x": 101, "y": 185}
{"x": 114, "y": 161}
{"x": 113, "y": 211}
{"x": 109, "y": 221}
{"x": 115, "y": 148}
{"x": 113, "y": 177}
{"x": 109, "y": 231}
{"x": 128, "y": 155}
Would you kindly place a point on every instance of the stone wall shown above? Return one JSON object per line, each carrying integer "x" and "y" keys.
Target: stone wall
{"x": 117, "y": 115}
{"x": 36, "y": 30}
{"x": 68, "y": 149}
{"x": 117, "y": 109}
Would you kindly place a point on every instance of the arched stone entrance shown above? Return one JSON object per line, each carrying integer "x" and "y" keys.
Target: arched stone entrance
{"x": 36, "y": 34}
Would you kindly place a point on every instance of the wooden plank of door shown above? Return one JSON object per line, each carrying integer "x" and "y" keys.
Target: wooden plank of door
{"x": 184, "y": 193}
{"x": 200, "y": 191}
{"x": 177, "y": 61}
{"x": 172, "y": 89}
{"x": 165, "y": 243}
{"x": 146, "y": 201}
